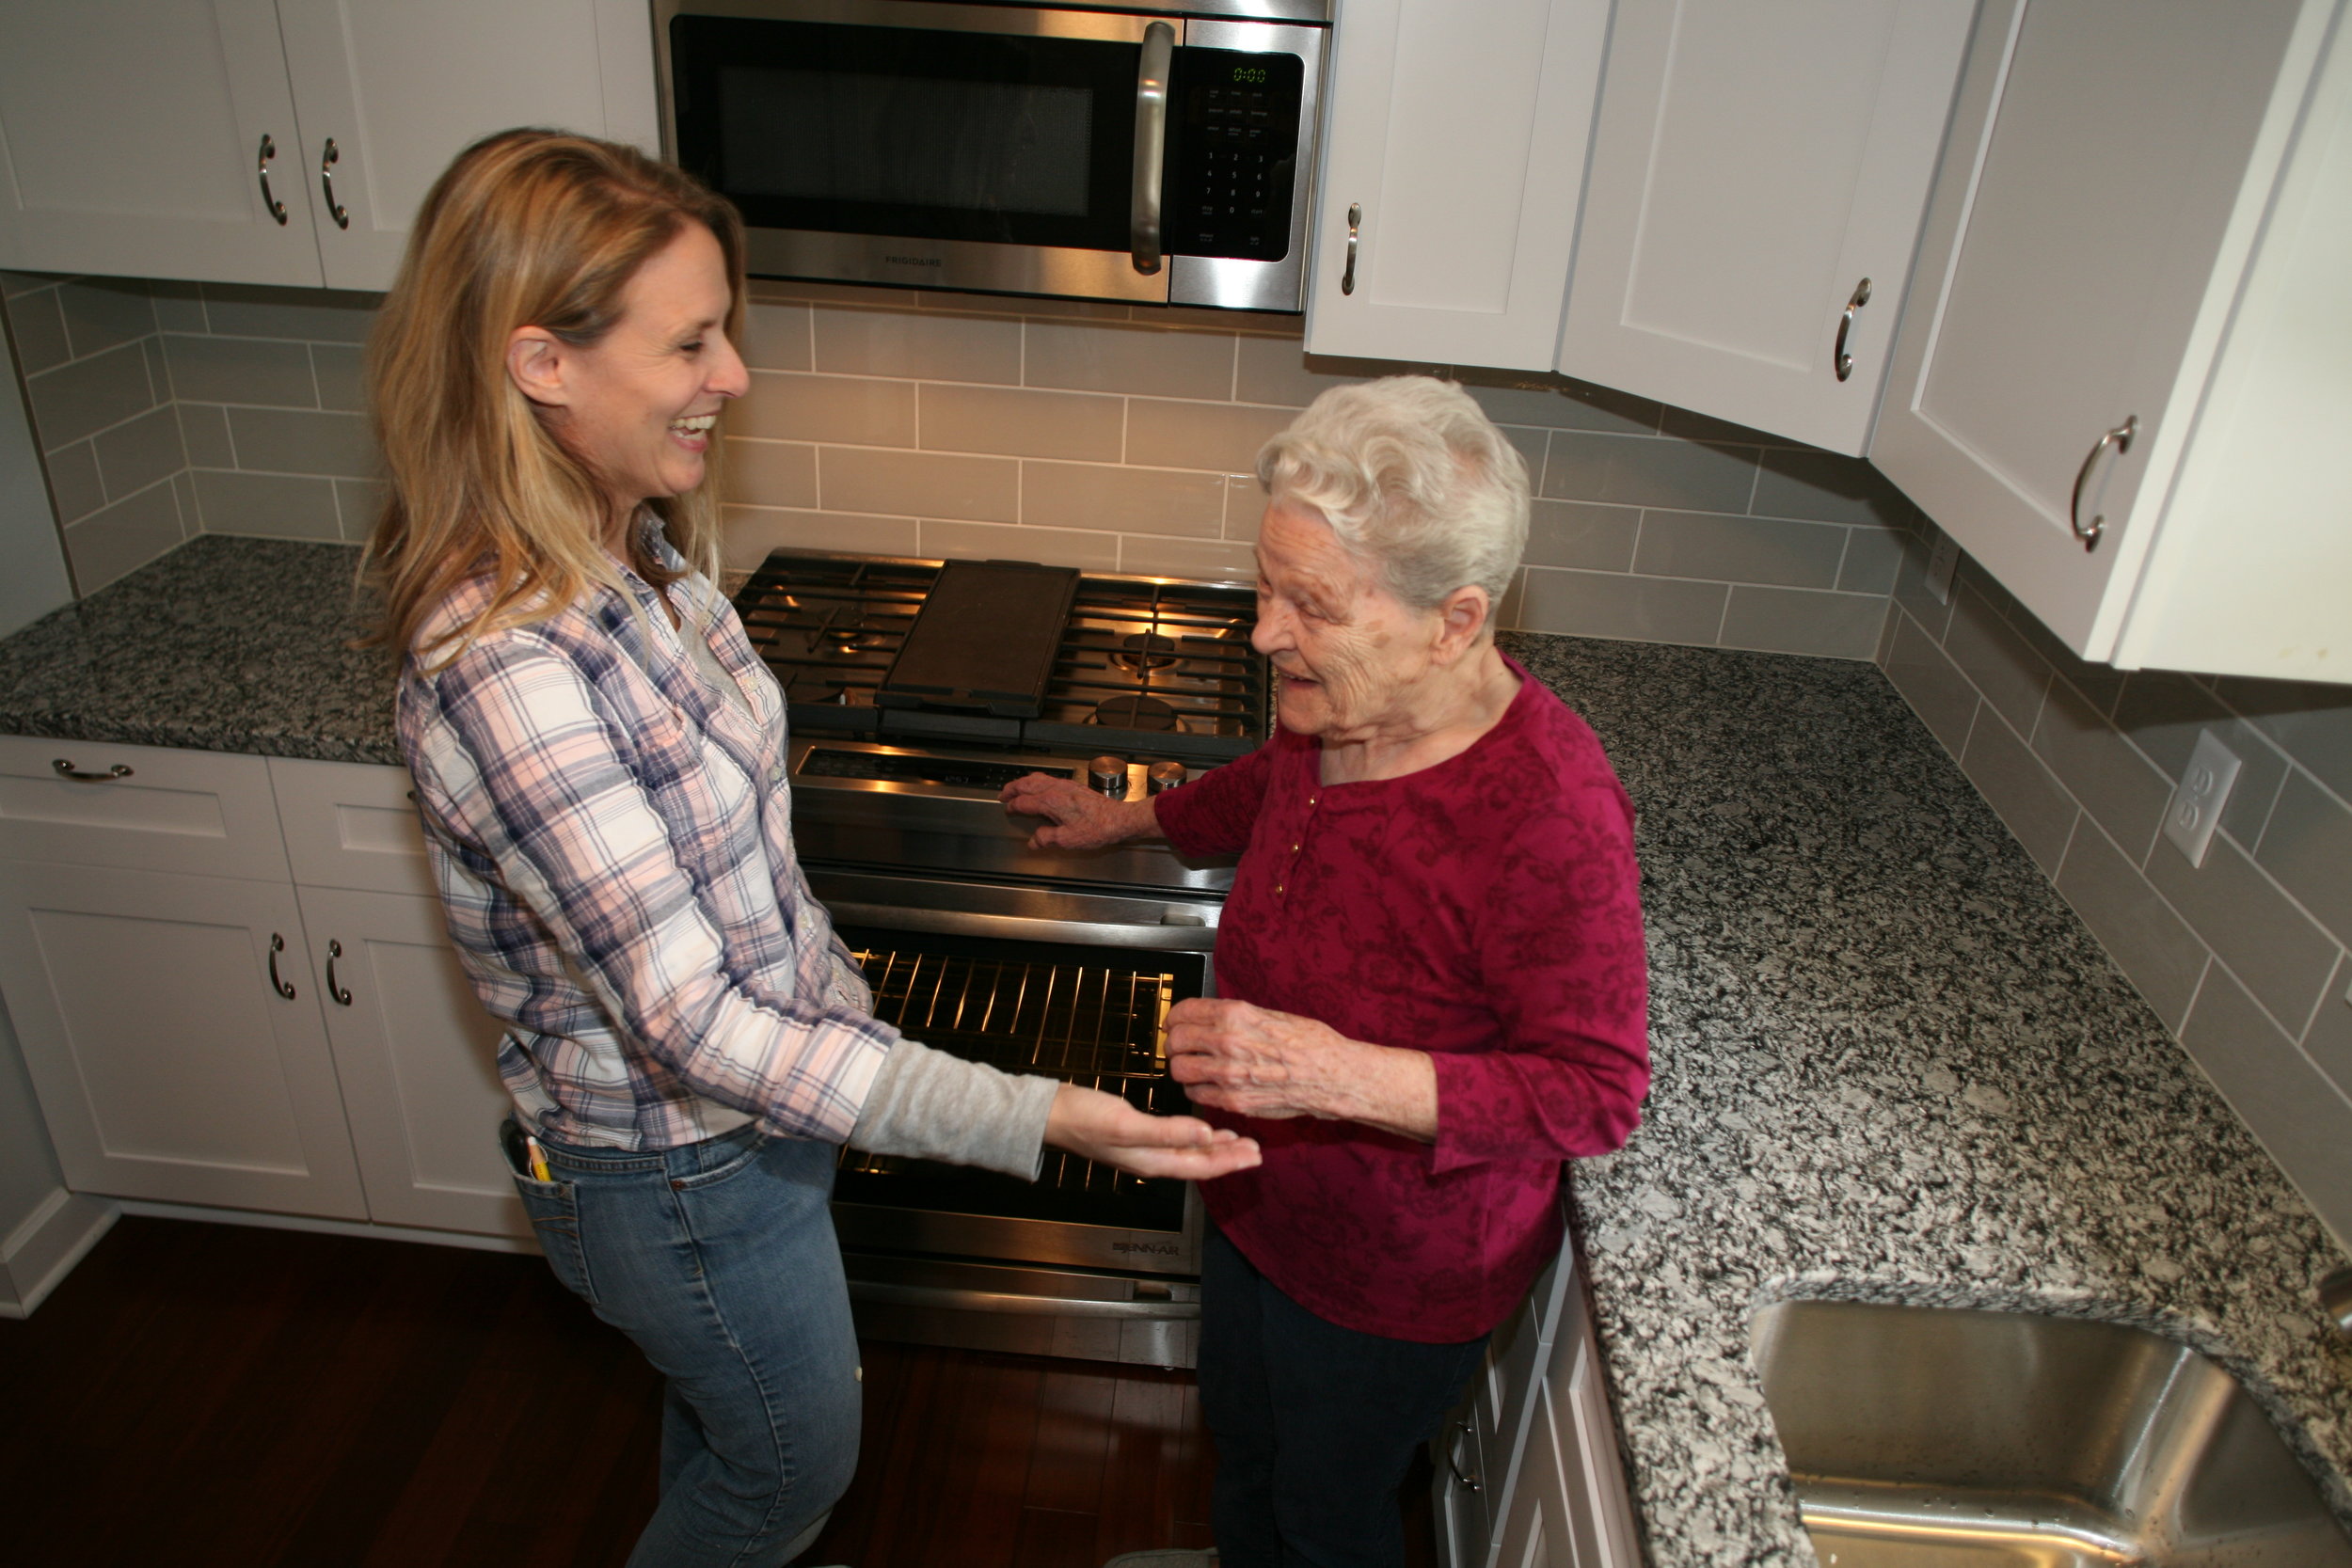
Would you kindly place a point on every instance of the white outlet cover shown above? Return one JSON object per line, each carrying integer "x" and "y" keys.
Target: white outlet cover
{"x": 2195, "y": 809}
{"x": 1942, "y": 564}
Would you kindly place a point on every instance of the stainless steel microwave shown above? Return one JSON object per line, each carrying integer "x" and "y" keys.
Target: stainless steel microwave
{"x": 1156, "y": 154}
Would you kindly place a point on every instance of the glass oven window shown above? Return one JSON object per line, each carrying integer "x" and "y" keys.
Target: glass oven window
{"x": 1095, "y": 1016}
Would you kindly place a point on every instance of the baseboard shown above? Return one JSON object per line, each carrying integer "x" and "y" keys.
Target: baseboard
{"x": 326, "y": 1227}
{"x": 39, "y": 1253}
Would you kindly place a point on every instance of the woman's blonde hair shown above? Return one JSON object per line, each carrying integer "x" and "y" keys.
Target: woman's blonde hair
{"x": 526, "y": 228}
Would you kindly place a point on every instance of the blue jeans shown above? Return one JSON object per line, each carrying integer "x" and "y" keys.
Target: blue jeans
{"x": 718, "y": 1260}
{"x": 1314, "y": 1424}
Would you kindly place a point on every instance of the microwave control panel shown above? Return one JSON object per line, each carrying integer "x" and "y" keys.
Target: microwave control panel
{"x": 1233, "y": 155}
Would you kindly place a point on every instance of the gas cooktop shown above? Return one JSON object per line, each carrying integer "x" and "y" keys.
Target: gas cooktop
{"x": 914, "y": 652}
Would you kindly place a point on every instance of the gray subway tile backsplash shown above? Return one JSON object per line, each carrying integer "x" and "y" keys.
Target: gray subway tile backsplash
{"x": 770, "y": 473}
{"x": 1023, "y": 422}
{"x": 1801, "y": 482}
{"x": 1099, "y": 496}
{"x": 2149, "y": 942}
{"x": 74, "y": 482}
{"x": 339, "y": 369}
{"x": 105, "y": 312}
{"x": 2312, "y": 723}
{"x": 280, "y": 506}
{"x": 854, "y": 410}
{"x": 90, "y": 395}
{"x": 40, "y": 328}
{"x": 1743, "y": 549}
{"x": 204, "y": 435}
{"x": 1608, "y": 604}
{"x": 306, "y": 315}
{"x": 2307, "y": 845}
{"x": 2299, "y": 1115}
{"x": 1581, "y": 535}
{"x": 2011, "y": 674}
{"x": 302, "y": 441}
{"x": 119, "y": 538}
{"x": 1087, "y": 356}
{"x": 253, "y": 370}
{"x": 2029, "y": 797}
{"x": 1802, "y": 620}
{"x": 904, "y": 343}
{"x": 137, "y": 452}
{"x": 2114, "y": 784}
{"x": 1649, "y": 471}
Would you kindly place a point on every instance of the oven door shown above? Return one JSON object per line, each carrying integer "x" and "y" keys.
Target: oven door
{"x": 995, "y": 147}
{"x": 1085, "y": 1260}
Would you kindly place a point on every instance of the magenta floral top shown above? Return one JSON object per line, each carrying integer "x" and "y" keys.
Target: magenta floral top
{"x": 1485, "y": 911}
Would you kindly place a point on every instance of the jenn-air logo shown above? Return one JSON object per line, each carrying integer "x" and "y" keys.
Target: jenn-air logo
{"x": 914, "y": 260}
{"x": 1166, "y": 1249}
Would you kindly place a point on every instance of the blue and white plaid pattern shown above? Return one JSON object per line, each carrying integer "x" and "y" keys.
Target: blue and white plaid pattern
{"x": 614, "y": 844}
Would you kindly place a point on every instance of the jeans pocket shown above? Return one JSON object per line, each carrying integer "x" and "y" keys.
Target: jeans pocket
{"x": 553, "y": 1210}
{"x": 727, "y": 1162}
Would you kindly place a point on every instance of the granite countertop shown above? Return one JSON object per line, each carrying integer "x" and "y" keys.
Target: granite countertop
{"x": 1891, "y": 1065}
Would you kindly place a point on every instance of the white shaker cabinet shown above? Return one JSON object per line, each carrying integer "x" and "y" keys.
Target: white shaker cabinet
{"x": 389, "y": 91}
{"x": 134, "y": 133}
{"x": 150, "y": 136}
{"x": 415, "y": 1054}
{"x": 1453, "y": 153}
{"x": 2125, "y": 367}
{"x": 1758, "y": 174}
{"x": 1528, "y": 1473}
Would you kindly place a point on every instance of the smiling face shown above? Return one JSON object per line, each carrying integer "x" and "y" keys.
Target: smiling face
{"x": 638, "y": 404}
{"x": 1347, "y": 653}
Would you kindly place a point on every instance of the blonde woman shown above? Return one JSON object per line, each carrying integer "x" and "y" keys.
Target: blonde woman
{"x": 599, "y": 760}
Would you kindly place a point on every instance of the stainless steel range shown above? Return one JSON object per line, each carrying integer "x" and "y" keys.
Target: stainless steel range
{"x": 918, "y": 689}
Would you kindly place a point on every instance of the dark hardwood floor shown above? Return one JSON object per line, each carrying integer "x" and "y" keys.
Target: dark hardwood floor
{"x": 204, "y": 1395}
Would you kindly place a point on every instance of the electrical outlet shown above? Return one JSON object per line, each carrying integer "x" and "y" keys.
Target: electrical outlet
{"x": 1942, "y": 564}
{"x": 2195, "y": 809}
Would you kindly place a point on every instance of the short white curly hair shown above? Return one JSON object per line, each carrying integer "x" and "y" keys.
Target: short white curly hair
{"x": 1414, "y": 478}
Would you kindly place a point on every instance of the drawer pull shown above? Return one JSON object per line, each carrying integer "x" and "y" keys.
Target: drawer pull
{"x": 2121, "y": 440}
{"x": 277, "y": 945}
{"x": 1470, "y": 1482}
{"x": 328, "y": 158}
{"x": 339, "y": 992}
{"x": 1355, "y": 231}
{"x": 67, "y": 771}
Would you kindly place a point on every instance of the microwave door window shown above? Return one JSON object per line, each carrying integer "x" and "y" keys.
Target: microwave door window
{"x": 853, "y": 130}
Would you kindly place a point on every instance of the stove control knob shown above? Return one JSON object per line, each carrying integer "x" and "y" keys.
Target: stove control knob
{"x": 1107, "y": 776}
{"x": 1164, "y": 775}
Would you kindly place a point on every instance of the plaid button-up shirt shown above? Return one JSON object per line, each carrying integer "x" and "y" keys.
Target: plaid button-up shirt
{"x": 613, "y": 843}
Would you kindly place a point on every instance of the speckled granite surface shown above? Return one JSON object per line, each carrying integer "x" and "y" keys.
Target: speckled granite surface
{"x": 226, "y": 644}
{"x": 1891, "y": 1065}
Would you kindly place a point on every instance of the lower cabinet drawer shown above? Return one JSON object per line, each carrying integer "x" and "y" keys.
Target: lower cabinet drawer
{"x": 1463, "y": 1494}
{"x": 147, "y": 808}
{"x": 351, "y": 825}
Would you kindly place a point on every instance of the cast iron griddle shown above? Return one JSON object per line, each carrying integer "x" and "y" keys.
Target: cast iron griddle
{"x": 985, "y": 639}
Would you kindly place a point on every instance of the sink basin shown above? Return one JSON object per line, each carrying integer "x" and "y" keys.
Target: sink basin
{"x": 1928, "y": 1438}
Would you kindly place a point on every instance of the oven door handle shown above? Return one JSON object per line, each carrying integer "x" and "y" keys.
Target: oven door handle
{"x": 888, "y": 1294}
{"x": 971, "y": 923}
{"x": 1152, "y": 75}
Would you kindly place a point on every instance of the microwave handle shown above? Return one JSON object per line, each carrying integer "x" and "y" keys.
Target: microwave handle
{"x": 1143, "y": 228}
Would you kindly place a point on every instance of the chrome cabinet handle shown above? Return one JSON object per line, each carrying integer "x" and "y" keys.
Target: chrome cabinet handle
{"x": 1143, "y": 222}
{"x": 1838, "y": 356}
{"x": 342, "y": 995}
{"x": 1355, "y": 227}
{"x": 277, "y": 208}
{"x": 327, "y": 160}
{"x": 1454, "y": 1459}
{"x": 67, "y": 771}
{"x": 2120, "y": 439}
{"x": 277, "y": 945}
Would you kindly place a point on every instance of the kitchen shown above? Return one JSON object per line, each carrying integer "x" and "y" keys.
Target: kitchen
{"x": 940, "y": 424}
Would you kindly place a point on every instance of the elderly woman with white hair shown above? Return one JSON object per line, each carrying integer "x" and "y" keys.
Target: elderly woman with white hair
{"x": 1433, "y": 986}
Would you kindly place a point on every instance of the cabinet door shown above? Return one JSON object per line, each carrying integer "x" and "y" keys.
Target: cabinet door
{"x": 170, "y": 1062}
{"x": 1753, "y": 165}
{"x": 352, "y": 825}
{"x": 130, "y": 133}
{"x": 418, "y": 1060}
{"x": 400, "y": 86}
{"x": 2100, "y": 189}
{"x": 1456, "y": 135}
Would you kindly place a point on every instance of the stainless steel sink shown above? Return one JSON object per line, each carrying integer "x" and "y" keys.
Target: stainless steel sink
{"x": 1926, "y": 1438}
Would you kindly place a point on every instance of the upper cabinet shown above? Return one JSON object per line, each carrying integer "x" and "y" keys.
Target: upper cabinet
{"x": 2125, "y": 367}
{"x": 1453, "y": 153}
{"x": 240, "y": 141}
{"x": 388, "y": 91}
{"x": 1758, "y": 174}
{"x": 145, "y": 135}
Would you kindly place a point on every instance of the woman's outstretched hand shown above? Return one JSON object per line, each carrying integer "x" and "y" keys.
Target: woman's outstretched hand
{"x": 1104, "y": 1126}
{"x": 1077, "y": 817}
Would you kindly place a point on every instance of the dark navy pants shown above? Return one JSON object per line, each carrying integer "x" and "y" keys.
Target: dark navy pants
{"x": 1314, "y": 1424}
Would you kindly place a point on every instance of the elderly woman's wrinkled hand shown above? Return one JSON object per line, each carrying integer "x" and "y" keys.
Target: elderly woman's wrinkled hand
{"x": 1077, "y": 817}
{"x": 1256, "y": 1062}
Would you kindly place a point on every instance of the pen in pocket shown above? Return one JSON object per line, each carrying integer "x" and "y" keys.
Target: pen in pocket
{"x": 538, "y": 1160}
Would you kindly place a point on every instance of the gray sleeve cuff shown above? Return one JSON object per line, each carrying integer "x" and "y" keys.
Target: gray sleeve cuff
{"x": 935, "y": 1106}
